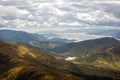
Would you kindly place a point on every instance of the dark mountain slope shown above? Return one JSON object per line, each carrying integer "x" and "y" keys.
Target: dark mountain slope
{"x": 86, "y": 47}
{"x": 103, "y": 52}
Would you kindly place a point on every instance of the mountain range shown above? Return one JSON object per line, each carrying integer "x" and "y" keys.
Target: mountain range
{"x": 27, "y": 56}
{"x": 22, "y": 63}
{"x": 19, "y": 36}
{"x": 33, "y": 39}
{"x": 102, "y": 52}
{"x": 85, "y": 47}
{"x": 114, "y": 33}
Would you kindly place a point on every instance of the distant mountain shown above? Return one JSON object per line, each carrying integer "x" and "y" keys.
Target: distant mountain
{"x": 114, "y": 33}
{"x": 35, "y": 40}
{"x": 50, "y": 43}
{"x": 102, "y": 52}
{"x": 22, "y": 63}
{"x": 19, "y": 36}
{"x": 86, "y": 47}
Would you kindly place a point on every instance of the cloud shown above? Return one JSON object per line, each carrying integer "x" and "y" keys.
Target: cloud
{"x": 112, "y": 8}
{"x": 57, "y": 14}
{"x": 12, "y": 11}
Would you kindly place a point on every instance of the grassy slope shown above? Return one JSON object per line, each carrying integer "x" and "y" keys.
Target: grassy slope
{"x": 21, "y": 63}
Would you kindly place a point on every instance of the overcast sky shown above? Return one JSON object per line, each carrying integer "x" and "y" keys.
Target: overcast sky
{"x": 59, "y": 15}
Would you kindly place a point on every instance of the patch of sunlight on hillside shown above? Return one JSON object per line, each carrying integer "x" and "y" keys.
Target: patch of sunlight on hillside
{"x": 13, "y": 73}
{"x": 22, "y": 51}
{"x": 106, "y": 64}
{"x": 117, "y": 64}
{"x": 48, "y": 77}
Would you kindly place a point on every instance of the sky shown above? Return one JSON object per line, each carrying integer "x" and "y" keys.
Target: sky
{"x": 59, "y": 15}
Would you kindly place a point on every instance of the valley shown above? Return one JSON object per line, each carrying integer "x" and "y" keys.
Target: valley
{"x": 59, "y": 39}
{"x": 58, "y": 59}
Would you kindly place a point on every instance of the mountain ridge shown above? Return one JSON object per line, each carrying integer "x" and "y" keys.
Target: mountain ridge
{"x": 19, "y": 36}
{"x": 84, "y": 47}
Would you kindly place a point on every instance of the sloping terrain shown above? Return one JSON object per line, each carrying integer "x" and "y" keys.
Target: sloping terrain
{"x": 110, "y": 58}
{"x": 101, "y": 53}
{"x": 86, "y": 47}
{"x": 21, "y": 63}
